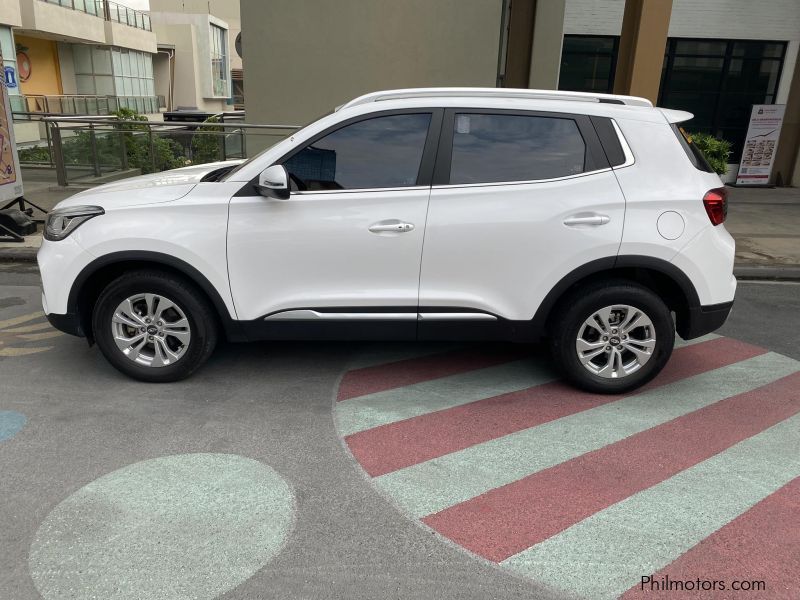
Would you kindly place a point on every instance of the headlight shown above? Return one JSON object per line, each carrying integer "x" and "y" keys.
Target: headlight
{"x": 60, "y": 223}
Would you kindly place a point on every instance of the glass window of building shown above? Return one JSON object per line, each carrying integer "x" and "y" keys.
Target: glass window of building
{"x": 716, "y": 80}
{"x": 219, "y": 61}
{"x": 719, "y": 81}
{"x": 588, "y": 63}
{"x": 103, "y": 71}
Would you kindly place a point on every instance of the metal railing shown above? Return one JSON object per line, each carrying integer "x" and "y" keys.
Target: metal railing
{"x": 82, "y": 149}
{"x": 80, "y": 104}
{"x": 109, "y": 11}
{"x": 120, "y": 13}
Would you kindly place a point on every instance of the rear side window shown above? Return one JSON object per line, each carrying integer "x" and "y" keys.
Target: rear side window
{"x": 381, "y": 152}
{"x": 693, "y": 152}
{"x": 492, "y": 148}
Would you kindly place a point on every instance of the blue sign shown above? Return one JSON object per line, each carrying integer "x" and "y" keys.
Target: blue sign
{"x": 11, "y": 77}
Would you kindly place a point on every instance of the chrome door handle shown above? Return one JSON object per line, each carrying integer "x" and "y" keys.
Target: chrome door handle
{"x": 589, "y": 220}
{"x": 391, "y": 226}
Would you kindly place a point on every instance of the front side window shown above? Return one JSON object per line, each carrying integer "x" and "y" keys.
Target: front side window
{"x": 494, "y": 148}
{"x": 382, "y": 152}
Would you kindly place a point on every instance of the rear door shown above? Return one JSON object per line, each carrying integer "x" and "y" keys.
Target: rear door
{"x": 519, "y": 200}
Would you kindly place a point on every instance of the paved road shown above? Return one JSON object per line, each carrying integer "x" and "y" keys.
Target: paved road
{"x": 394, "y": 470}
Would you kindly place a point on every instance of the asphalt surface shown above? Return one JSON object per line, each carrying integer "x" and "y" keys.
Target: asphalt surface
{"x": 240, "y": 482}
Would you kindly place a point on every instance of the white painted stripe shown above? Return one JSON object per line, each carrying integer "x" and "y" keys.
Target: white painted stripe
{"x": 381, "y": 408}
{"x": 681, "y": 343}
{"x": 434, "y": 485}
{"x": 608, "y": 553}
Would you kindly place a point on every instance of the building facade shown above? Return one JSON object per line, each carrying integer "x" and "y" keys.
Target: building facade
{"x": 721, "y": 57}
{"x": 76, "y": 57}
{"x": 197, "y": 57}
{"x": 714, "y": 58}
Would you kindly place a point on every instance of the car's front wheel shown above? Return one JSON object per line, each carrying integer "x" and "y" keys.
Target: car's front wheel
{"x": 612, "y": 338}
{"x": 154, "y": 326}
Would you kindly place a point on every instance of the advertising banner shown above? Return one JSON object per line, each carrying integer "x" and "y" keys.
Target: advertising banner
{"x": 760, "y": 144}
{"x": 10, "y": 182}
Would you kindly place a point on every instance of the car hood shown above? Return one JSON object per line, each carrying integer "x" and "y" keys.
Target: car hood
{"x": 145, "y": 189}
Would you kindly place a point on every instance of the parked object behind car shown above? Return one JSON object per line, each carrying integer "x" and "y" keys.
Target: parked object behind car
{"x": 444, "y": 213}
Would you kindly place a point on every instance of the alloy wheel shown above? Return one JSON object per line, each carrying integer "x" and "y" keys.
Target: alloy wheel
{"x": 616, "y": 341}
{"x": 151, "y": 330}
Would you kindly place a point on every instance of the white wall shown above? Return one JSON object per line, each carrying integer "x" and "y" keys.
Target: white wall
{"x": 170, "y": 28}
{"x": 727, "y": 19}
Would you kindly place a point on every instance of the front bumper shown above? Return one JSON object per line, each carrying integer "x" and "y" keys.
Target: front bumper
{"x": 701, "y": 320}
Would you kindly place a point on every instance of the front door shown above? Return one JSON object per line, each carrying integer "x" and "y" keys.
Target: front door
{"x": 347, "y": 244}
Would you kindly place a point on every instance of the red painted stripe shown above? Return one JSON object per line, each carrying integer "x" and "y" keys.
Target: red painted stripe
{"x": 369, "y": 380}
{"x": 762, "y": 544}
{"x": 398, "y": 445}
{"x": 509, "y": 519}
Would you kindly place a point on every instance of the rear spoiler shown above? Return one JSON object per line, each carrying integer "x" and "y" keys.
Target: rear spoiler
{"x": 675, "y": 116}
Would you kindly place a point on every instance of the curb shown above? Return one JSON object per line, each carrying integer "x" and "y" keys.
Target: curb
{"x": 767, "y": 272}
{"x": 24, "y": 254}
{"x": 741, "y": 271}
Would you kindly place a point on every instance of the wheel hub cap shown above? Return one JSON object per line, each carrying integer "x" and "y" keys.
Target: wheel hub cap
{"x": 151, "y": 330}
{"x": 616, "y": 341}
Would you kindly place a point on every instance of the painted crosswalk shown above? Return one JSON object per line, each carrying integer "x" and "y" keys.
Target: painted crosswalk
{"x": 581, "y": 492}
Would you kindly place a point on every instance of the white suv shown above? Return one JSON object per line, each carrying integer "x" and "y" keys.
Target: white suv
{"x": 445, "y": 213}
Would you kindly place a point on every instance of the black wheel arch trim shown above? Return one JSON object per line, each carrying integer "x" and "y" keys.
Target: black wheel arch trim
{"x": 611, "y": 263}
{"x": 231, "y": 327}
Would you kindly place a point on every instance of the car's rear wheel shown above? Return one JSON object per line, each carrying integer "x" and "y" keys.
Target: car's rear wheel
{"x": 154, "y": 326}
{"x": 613, "y": 337}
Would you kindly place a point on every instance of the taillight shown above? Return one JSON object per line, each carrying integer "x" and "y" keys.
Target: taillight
{"x": 716, "y": 203}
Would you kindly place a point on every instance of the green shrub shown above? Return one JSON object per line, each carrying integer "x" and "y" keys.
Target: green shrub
{"x": 160, "y": 154}
{"x": 37, "y": 154}
{"x": 207, "y": 143}
{"x": 716, "y": 151}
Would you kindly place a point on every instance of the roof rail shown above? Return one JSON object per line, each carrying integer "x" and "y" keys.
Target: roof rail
{"x": 511, "y": 93}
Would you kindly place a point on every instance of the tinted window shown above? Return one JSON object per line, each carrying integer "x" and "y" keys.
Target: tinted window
{"x": 377, "y": 153}
{"x": 588, "y": 63}
{"x": 490, "y": 148}
{"x": 692, "y": 152}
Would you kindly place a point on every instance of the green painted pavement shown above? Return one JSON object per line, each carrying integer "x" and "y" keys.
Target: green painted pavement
{"x": 382, "y": 408}
{"x": 608, "y": 553}
{"x": 185, "y": 526}
{"x": 432, "y": 486}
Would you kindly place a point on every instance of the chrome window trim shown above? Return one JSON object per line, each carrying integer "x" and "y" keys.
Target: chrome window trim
{"x": 526, "y": 182}
{"x": 626, "y": 149}
{"x": 355, "y": 191}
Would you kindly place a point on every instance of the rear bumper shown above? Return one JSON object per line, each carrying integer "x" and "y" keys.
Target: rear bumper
{"x": 704, "y": 319}
{"x": 67, "y": 323}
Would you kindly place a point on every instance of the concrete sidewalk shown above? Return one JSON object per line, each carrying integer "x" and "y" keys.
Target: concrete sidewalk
{"x": 764, "y": 222}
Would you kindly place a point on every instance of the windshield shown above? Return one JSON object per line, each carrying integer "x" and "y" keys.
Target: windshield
{"x": 249, "y": 161}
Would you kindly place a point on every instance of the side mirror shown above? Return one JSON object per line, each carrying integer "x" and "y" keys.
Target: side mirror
{"x": 274, "y": 183}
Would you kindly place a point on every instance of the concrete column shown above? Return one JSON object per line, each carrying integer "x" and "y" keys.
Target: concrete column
{"x": 787, "y": 159}
{"x": 518, "y": 47}
{"x": 548, "y": 36}
{"x": 645, "y": 25}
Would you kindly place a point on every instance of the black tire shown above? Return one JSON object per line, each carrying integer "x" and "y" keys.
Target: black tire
{"x": 201, "y": 317}
{"x": 580, "y": 305}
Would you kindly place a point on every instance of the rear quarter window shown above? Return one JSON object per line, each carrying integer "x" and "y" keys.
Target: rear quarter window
{"x": 692, "y": 152}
